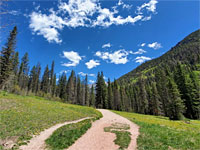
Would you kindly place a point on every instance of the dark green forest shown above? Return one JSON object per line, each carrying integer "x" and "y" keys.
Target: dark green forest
{"x": 167, "y": 86}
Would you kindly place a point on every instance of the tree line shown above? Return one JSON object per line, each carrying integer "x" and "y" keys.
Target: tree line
{"x": 167, "y": 91}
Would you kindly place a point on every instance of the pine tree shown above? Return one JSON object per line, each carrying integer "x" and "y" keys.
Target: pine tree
{"x": 103, "y": 91}
{"x": 51, "y": 77}
{"x": 6, "y": 58}
{"x": 37, "y": 81}
{"x": 79, "y": 94}
{"x": 143, "y": 96}
{"x": 16, "y": 63}
{"x": 62, "y": 84}
{"x": 161, "y": 80}
{"x": 45, "y": 80}
{"x": 92, "y": 97}
{"x": 15, "y": 67}
{"x": 195, "y": 94}
{"x": 86, "y": 91}
{"x": 116, "y": 96}
{"x": 176, "y": 106}
{"x": 32, "y": 78}
{"x": 70, "y": 87}
{"x": 23, "y": 72}
{"x": 110, "y": 95}
{"x": 98, "y": 102}
{"x": 156, "y": 100}
{"x": 53, "y": 92}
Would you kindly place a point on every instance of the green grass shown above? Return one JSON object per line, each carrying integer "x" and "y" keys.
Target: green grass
{"x": 65, "y": 136}
{"x": 123, "y": 138}
{"x": 160, "y": 133}
{"x": 24, "y": 116}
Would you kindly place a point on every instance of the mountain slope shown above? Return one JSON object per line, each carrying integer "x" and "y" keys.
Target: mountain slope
{"x": 187, "y": 52}
{"x": 168, "y": 85}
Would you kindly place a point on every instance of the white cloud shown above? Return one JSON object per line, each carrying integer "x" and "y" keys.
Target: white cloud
{"x": 84, "y": 74}
{"x": 46, "y": 25}
{"x": 92, "y": 81}
{"x": 142, "y": 59}
{"x": 106, "y": 45}
{"x": 92, "y": 63}
{"x": 140, "y": 51}
{"x": 155, "y": 45}
{"x": 83, "y": 13}
{"x": 120, "y": 3}
{"x": 143, "y": 44}
{"x": 150, "y": 6}
{"x": 117, "y": 57}
{"x": 73, "y": 57}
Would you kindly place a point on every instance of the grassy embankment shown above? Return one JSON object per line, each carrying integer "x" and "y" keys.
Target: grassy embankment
{"x": 160, "y": 133}
{"x": 24, "y": 116}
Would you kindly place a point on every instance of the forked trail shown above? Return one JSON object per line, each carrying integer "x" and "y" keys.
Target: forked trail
{"x": 96, "y": 139}
{"x": 38, "y": 142}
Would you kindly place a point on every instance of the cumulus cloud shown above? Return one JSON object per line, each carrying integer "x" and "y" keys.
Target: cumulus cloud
{"x": 47, "y": 26}
{"x": 84, "y": 74}
{"x": 84, "y": 13}
{"x": 92, "y": 63}
{"x": 117, "y": 57}
{"x": 106, "y": 45}
{"x": 140, "y": 51}
{"x": 73, "y": 57}
{"x": 142, "y": 59}
{"x": 150, "y": 6}
{"x": 155, "y": 45}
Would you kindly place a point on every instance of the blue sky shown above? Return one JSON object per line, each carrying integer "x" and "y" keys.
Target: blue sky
{"x": 90, "y": 35}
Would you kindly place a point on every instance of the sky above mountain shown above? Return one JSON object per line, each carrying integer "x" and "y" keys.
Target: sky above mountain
{"x": 90, "y": 35}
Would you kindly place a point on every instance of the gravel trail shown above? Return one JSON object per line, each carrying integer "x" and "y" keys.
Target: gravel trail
{"x": 96, "y": 139}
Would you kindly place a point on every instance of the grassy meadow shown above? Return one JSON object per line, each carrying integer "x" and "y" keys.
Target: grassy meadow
{"x": 24, "y": 116}
{"x": 160, "y": 133}
{"x": 65, "y": 136}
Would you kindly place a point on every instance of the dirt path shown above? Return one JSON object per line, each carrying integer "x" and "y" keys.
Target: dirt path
{"x": 96, "y": 139}
{"x": 38, "y": 142}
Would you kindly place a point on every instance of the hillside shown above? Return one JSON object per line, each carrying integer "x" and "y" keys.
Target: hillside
{"x": 25, "y": 116}
{"x": 187, "y": 52}
{"x": 168, "y": 85}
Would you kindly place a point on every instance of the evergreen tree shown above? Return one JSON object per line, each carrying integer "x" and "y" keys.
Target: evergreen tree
{"x": 176, "y": 106}
{"x": 53, "y": 92}
{"x": 92, "y": 97}
{"x": 110, "y": 95}
{"x": 79, "y": 94}
{"x": 98, "y": 102}
{"x": 23, "y": 72}
{"x": 156, "y": 100}
{"x": 143, "y": 96}
{"x": 45, "y": 80}
{"x": 6, "y": 58}
{"x": 51, "y": 77}
{"x": 116, "y": 96}
{"x": 86, "y": 91}
{"x": 16, "y": 63}
{"x": 70, "y": 87}
{"x": 32, "y": 78}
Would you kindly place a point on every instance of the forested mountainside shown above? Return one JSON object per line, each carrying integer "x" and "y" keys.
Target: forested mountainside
{"x": 170, "y": 84}
{"x": 167, "y": 86}
{"x": 187, "y": 52}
